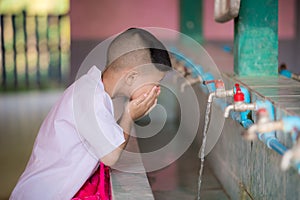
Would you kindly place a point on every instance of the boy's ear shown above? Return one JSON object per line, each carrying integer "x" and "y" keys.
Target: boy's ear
{"x": 131, "y": 77}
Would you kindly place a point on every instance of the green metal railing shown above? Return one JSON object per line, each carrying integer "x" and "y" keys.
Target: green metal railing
{"x": 34, "y": 51}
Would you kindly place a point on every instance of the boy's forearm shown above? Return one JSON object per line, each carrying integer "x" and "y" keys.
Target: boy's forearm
{"x": 126, "y": 123}
{"x": 111, "y": 158}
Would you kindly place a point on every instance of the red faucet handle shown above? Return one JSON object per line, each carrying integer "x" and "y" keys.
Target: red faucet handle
{"x": 262, "y": 111}
{"x": 239, "y": 95}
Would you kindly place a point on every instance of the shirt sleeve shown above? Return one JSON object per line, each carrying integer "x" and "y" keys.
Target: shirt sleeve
{"x": 107, "y": 124}
{"x": 94, "y": 117}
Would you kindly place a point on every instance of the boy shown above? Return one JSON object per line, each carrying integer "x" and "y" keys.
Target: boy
{"x": 80, "y": 132}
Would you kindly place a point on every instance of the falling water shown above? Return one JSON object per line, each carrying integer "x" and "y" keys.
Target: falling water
{"x": 202, "y": 150}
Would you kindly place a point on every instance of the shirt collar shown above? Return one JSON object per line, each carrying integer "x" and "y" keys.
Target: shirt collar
{"x": 95, "y": 73}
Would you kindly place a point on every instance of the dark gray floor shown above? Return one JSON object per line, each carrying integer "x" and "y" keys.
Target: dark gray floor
{"x": 180, "y": 179}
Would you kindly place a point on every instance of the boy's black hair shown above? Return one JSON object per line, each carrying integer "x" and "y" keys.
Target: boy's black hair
{"x": 161, "y": 59}
{"x": 158, "y": 53}
{"x": 140, "y": 39}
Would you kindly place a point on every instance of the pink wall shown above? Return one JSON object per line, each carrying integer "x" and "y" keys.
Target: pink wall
{"x": 218, "y": 31}
{"x": 98, "y": 19}
{"x": 286, "y": 19}
{"x": 213, "y": 30}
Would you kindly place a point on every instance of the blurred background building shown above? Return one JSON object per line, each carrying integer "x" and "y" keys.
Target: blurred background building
{"x": 35, "y": 44}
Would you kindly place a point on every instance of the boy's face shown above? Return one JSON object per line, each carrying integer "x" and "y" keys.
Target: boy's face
{"x": 146, "y": 81}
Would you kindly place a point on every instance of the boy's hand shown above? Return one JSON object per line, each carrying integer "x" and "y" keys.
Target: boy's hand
{"x": 136, "y": 108}
{"x": 139, "y": 106}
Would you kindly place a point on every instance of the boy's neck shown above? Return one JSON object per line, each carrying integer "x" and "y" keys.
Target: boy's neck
{"x": 107, "y": 83}
{"x": 110, "y": 80}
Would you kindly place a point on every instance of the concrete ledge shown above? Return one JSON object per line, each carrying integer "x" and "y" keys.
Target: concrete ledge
{"x": 250, "y": 170}
{"x": 125, "y": 183}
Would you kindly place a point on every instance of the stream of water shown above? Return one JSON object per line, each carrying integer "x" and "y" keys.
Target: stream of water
{"x": 202, "y": 150}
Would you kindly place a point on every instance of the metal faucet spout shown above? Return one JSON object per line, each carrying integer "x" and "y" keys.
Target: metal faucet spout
{"x": 227, "y": 110}
{"x": 261, "y": 128}
{"x": 239, "y": 106}
{"x": 292, "y": 155}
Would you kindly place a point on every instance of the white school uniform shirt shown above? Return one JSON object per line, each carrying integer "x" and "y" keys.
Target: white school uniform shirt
{"x": 77, "y": 132}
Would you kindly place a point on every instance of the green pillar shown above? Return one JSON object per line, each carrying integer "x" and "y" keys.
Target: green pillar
{"x": 191, "y": 19}
{"x": 256, "y": 38}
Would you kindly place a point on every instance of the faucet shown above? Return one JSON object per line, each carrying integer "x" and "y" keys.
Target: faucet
{"x": 220, "y": 90}
{"x": 183, "y": 66}
{"x": 291, "y": 124}
{"x": 288, "y": 124}
{"x": 291, "y": 156}
{"x": 239, "y": 104}
{"x": 181, "y": 63}
{"x": 186, "y": 68}
{"x": 190, "y": 81}
{"x": 263, "y": 125}
{"x": 187, "y": 72}
{"x": 296, "y": 77}
{"x": 181, "y": 69}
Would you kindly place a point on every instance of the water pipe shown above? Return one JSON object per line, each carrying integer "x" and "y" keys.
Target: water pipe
{"x": 227, "y": 49}
{"x": 286, "y": 73}
{"x": 200, "y": 79}
{"x": 195, "y": 71}
{"x": 189, "y": 63}
{"x": 187, "y": 69}
{"x": 195, "y": 75}
{"x": 289, "y": 124}
{"x": 181, "y": 63}
{"x": 267, "y": 126}
{"x": 283, "y": 71}
{"x": 180, "y": 68}
{"x": 263, "y": 121}
{"x": 268, "y": 136}
{"x": 289, "y": 74}
{"x": 241, "y": 103}
{"x": 208, "y": 87}
{"x": 179, "y": 56}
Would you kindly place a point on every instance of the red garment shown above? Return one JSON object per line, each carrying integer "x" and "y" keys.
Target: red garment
{"x": 97, "y": 187}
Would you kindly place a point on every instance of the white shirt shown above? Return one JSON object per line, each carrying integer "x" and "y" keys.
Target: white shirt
{"x": 78, "y": 131}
